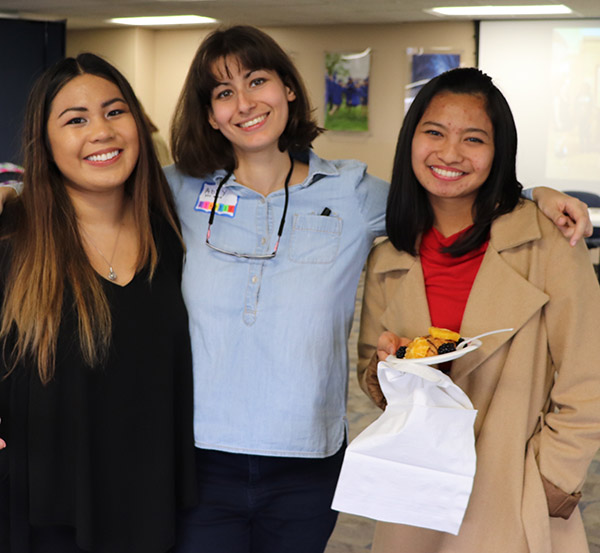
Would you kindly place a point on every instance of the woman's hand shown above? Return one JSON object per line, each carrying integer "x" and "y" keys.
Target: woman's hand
{"x": 6, "y": 193}
{"x": 569, "y": 214}
{"x": 388, "y": 344}
{"x": 2, "y": 442}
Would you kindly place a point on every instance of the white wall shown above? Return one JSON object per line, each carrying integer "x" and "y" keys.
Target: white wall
{"x": 131, "y": 50}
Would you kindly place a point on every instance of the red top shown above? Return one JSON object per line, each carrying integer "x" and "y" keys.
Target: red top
{"x": 448, "y": 280}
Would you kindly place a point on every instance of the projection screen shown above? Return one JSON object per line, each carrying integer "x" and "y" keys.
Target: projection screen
{"x": 550, "y": 73}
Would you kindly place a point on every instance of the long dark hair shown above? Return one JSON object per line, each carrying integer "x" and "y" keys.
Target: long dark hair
{"x": 197, "y": 148}
{"x": 409, "y": 212}
{"x": 47, "y": 250}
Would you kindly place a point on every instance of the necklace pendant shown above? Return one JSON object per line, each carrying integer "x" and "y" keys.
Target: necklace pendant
{"x": 111, "y": 274}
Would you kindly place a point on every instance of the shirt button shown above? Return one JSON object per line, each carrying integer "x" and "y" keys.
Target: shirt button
{"x": 254, "y": 279}
{"x": 263, "y": 241}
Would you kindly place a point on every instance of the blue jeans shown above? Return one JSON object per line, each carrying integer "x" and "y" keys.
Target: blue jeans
{"x": 258, "y": 504}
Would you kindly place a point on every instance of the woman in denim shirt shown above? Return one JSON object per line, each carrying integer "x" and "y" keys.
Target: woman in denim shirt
{"x": 270, "y": 291}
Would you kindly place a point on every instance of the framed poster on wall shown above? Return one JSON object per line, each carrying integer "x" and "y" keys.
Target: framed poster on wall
{"x": 347, "y": 91}
{"x": 423, "y": 67}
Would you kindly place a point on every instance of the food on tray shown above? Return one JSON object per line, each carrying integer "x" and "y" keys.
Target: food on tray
{"x": 437, "y": 342}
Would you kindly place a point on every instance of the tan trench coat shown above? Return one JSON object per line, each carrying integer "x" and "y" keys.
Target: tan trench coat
{"x": 528, "y": 423}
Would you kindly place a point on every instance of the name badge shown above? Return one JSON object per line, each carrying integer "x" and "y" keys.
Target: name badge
{"x": 226, "y": 203}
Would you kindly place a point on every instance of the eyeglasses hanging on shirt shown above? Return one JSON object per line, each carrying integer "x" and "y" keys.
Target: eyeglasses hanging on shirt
{"x": 279, "y": 232}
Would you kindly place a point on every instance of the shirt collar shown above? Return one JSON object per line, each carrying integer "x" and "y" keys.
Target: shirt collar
{"x": 318, "y": 168}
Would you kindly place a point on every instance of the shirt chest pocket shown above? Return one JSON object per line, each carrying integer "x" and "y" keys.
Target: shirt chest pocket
{"x": 315, "y": 238}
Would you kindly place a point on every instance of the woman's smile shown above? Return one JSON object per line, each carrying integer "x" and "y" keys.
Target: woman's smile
{"x": 253, "y": 122}
{"x": 446, "y": 174}
{"x": 104, "y": 158}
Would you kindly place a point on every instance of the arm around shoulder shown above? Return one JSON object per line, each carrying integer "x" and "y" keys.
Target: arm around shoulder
{"x": 8, "y": 192}
{"x": 569, "y": 214}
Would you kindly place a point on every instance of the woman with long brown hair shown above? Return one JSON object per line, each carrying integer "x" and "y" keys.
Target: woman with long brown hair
{"x": 95, "y": 389}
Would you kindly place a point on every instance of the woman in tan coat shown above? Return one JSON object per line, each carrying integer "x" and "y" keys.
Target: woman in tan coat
{"x": 465, "y": 252}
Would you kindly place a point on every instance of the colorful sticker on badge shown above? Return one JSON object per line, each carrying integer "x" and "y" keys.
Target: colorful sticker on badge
{"x": 226, "y": 204}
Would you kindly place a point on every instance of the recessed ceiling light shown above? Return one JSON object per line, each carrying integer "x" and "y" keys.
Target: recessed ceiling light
{"x": 551, "y": 9}
{"x": 164, "y": 20}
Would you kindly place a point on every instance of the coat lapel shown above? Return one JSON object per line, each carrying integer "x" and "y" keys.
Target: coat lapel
{"x": 501, "y": 297}
{"x": 409, "y": 299}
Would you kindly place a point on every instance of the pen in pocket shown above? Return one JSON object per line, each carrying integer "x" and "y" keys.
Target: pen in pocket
{"x": 326, "y": 212}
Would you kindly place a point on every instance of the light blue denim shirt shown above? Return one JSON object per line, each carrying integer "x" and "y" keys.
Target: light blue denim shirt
{"x": 269, "y": 337}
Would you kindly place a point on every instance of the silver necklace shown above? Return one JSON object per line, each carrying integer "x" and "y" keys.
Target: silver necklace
{"x": 111, "y": 273}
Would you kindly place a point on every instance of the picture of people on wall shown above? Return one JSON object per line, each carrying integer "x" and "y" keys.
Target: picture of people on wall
{"x": 423, "y": 68}
{"x": 347, "y": 91}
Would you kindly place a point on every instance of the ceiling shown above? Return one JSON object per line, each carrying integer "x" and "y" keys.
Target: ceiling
{"x": 82, "y": 14}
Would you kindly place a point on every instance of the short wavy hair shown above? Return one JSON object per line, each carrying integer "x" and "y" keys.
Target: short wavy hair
{"x": 197, "y": 148}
